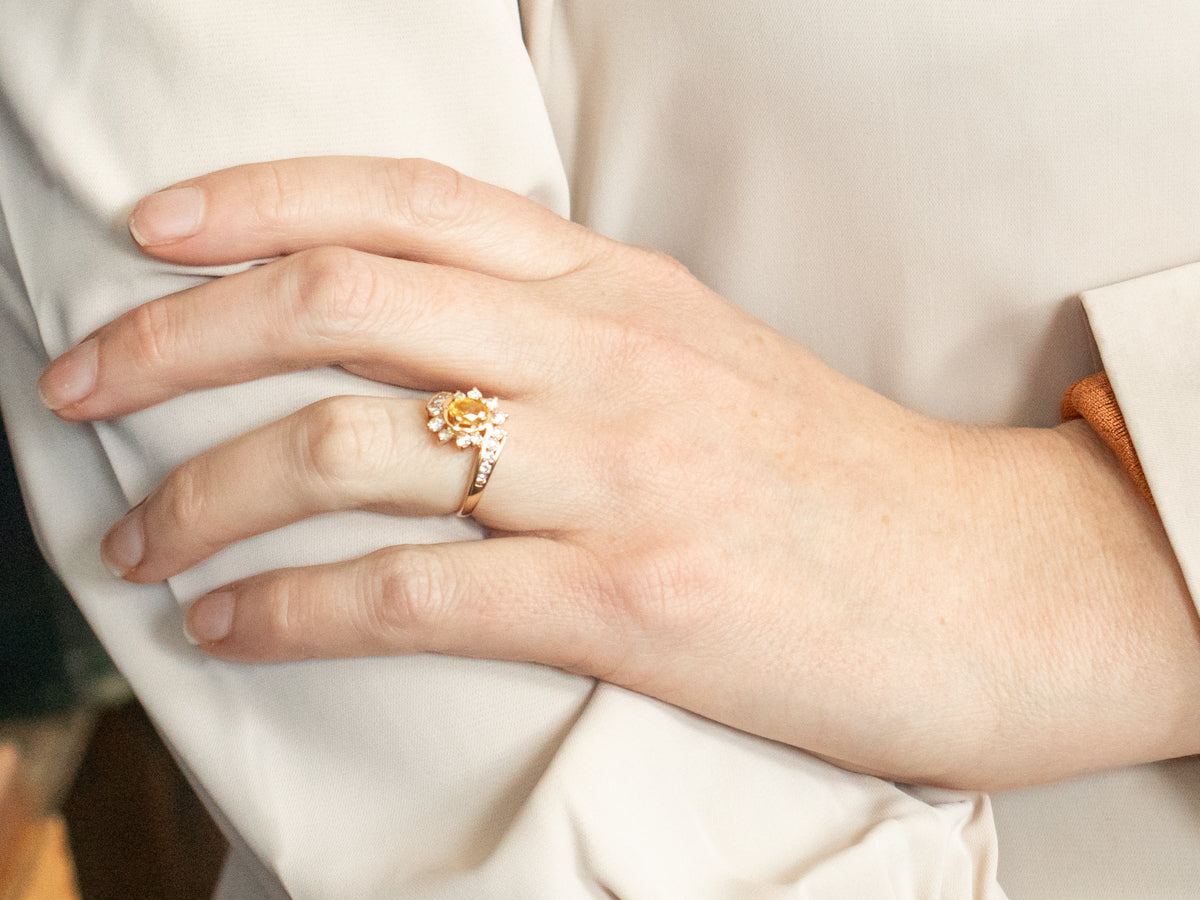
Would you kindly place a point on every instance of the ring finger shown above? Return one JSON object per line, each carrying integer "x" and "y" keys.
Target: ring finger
{"x": 341, "y": 453}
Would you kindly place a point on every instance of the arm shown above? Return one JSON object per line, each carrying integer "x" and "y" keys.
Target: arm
{"x": 427, "y": 776}
{"x": 946, "y": 604}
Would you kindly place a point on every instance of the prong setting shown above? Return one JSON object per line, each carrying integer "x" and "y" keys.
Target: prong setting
{"x": 470, "y": 421}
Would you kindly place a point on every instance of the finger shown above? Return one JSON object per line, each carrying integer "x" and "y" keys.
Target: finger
{"x": 516, "y": 598}
{"x": 411, "y": 208}
{"x": 392, "y": 321}
{"x": 342, "y": 453}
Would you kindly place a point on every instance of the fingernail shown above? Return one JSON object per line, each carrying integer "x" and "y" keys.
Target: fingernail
{"x": 124, "y": 545}
{"x": 210, "y": 618}
{"x": 167, "y": 216}
{"x": 71, "y": 377}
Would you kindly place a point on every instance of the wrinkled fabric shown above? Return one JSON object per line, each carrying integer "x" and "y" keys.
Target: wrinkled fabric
{"x": 916, "y": 191}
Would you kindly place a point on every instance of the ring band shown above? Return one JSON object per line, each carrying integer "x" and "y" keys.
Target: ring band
{"x": 470, "y": 420}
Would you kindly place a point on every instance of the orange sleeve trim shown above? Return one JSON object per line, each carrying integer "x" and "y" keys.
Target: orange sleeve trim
{"x": 1092, "y": 399}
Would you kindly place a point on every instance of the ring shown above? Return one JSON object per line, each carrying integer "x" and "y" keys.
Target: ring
{"x": 470, "y": 420}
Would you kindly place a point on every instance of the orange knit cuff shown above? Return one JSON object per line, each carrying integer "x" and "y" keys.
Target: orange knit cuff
{"x": 1092, "y": 399}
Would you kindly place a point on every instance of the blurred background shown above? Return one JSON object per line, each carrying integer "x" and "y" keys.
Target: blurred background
{"x": 91, "y": 802}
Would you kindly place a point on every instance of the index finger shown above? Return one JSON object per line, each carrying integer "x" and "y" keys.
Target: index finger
{"x": 410, "y": 208}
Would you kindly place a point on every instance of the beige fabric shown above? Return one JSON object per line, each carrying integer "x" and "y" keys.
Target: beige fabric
{"x": 1157, "y": 383}
{"x": 423, "y": 777}
{"x": 915, "y": 190}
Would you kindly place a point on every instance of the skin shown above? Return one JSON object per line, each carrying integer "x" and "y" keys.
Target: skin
{"x": 689, "y": 505}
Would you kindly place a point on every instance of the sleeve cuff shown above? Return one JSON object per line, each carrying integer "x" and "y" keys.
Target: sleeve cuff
{"x": 1148, "y": 334}
{"x": 1093, "y": 400}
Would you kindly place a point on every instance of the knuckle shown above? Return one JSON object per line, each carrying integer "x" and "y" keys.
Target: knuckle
{"x": 338, "y": 292}
{"x": 344, "y": 443}
{"x": 411, "y": 593}
{"x": 652, "y": 589}
{"x": 288, "y": 620}
{"x": 155, "y": 335}
{"x": 643, "y": 356}
{"x": 666, "y": 271}
{"x": 424, "y": 193}
{"x": 278, "y": 194}
{"x": 628, "y": 599}
{"x": 183, "y": 502}
{"x": 609, "y": 341}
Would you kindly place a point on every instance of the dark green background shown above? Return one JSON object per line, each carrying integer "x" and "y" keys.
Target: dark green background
{"x": 49, "y": 659}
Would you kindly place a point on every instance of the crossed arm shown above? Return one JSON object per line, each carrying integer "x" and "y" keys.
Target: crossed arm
{"x": 689, "y": 505}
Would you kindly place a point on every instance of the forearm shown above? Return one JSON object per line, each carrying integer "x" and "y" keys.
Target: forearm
{"x": 1108, "y": 626}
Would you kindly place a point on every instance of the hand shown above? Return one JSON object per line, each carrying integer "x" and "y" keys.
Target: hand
{"x": 689, "y": 504}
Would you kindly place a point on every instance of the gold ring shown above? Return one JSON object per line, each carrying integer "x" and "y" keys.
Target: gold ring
{"x": 470, "y": 420}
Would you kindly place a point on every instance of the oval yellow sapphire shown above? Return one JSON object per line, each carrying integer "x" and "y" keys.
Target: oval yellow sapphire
{"x": 467, "y": 414}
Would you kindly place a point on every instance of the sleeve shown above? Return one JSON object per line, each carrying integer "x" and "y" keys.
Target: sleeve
{"x": 1092, "y": 400}
{"x": 325, "y": 772}
{"x": 1147, "y": 331}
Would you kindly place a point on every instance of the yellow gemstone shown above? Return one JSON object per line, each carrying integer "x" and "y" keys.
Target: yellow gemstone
{"x": 467, "y": 414}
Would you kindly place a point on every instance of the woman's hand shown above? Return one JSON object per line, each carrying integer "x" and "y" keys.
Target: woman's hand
{"x": 689, "y": 504}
